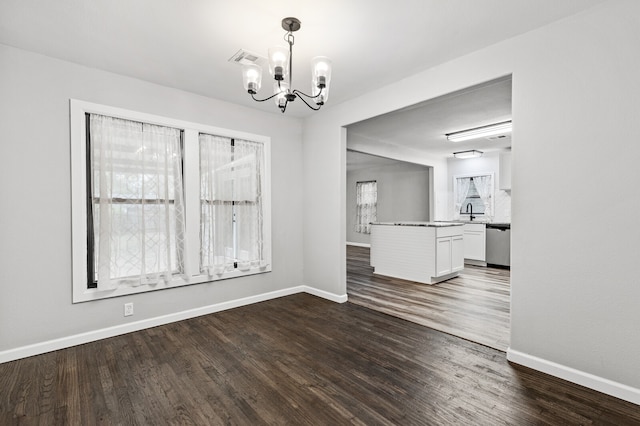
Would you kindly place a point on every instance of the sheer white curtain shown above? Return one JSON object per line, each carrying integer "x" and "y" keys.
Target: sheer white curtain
{"x": 138, "y": 209}
{"x": 484, "y": 185}
{"x": 462, "y": 189}
{"x": 216, "y": 196}
{"x": 248, "y": 170}
{"x": 366, "y": 206}
{"x": 231, "y": 198}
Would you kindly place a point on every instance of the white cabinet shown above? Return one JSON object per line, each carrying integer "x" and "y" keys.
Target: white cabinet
{"x": 423, "y": 252}
{"x": 449, "y": 255}
{"x": 457, "y": 253}
{"x": 443, "y": 256}
{"x": 474, "y": 242}
{"x": 505, "y": 171}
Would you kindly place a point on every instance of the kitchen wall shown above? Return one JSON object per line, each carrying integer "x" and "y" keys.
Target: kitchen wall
{"x": 403, "y": 194}
{"x": 574, "y": 303}
{"x": 488, "y": 163}
{"x": 35, "y": 194}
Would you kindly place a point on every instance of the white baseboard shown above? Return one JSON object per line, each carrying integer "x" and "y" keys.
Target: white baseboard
{"x": 475, "y": 262}
{"x": 91, "y": 336}
{"x": 358, "y": 244}
{"x": 588, "y": 380}
{"x": 326, "y": 295}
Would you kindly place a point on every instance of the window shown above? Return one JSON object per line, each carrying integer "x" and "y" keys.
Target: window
{"x": 473, "y": 193}
{"x": 135, "y": 216}
{"x": 473, "y": 202}
{"x": 366, "y": 205}
{"x": 231, "y": 199}
{"x": 159, "y": 203}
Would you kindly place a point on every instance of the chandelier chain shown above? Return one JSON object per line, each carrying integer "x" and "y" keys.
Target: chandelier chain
{"x": 289, "y": 38}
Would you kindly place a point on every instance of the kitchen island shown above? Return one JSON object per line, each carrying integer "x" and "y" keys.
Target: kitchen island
{"x": 424, "y": 252}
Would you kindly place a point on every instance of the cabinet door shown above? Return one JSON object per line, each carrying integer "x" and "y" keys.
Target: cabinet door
{"x": 457, "y": 253}
{"x": 443, "y": 256}
{"x": 474, "y": 245}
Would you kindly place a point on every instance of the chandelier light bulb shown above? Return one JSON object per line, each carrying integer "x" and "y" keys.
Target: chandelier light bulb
{"x": 281, "y": 89}
{"x": 279, "y": 62}
{"x": 320, "y": 79}
{"x": 252, "y": 78}
{"x": 278, "y": 57}
{"x": 321, "y": 70}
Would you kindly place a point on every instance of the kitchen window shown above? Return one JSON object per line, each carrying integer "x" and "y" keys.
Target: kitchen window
{"x": 473, "y": 195}
{"x": 160, "y": 203}
{"x": 473, "y": 202}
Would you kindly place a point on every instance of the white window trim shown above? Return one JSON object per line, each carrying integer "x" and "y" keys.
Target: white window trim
{"x": 191, "y": 171}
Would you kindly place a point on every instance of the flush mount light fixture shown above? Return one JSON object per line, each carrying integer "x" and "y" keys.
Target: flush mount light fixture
{"x": 280, "y": 67}
{"x": 480, "y": 132}
{"x": 468, "y": 154}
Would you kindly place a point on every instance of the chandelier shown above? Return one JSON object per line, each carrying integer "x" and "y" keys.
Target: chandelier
{"x": 280, "y": 67}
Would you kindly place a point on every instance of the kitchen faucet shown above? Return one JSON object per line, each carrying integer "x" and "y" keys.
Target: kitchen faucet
{"x": 471, "y": 216}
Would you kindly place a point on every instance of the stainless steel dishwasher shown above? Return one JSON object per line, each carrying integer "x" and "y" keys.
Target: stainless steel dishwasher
{"x": 498, "y": 249}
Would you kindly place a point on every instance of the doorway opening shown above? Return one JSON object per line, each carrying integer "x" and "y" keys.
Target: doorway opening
{"x": 475, "y": 305}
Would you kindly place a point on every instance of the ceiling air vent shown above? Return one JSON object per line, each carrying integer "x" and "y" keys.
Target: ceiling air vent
{"x": 244, "y": 57}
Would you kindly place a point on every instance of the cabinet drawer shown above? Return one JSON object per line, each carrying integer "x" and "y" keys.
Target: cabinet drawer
{"x": 448, "y": 231}
{"x": 474, "y": 227}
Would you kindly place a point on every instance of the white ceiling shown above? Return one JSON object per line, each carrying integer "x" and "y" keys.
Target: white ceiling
{"x": 359, "y": 160}
{"x": 423, "y": 127}
{"x": 186, "y": 44}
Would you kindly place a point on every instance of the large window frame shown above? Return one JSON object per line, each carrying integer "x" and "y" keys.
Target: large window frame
{"x": 191, "y": 181}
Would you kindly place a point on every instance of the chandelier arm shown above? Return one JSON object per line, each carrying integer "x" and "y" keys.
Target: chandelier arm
{"x": 284, "y": 108}
{"x": 266, "y": 99}
{"x": 297, "y": 92}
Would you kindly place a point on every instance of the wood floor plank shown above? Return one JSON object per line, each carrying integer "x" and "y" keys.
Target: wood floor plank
{"x": 297, "y": 360}
{"x": 475, "y": 305}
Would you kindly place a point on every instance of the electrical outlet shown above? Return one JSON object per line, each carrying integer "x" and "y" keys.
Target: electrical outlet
{"x": 128, "y": 309}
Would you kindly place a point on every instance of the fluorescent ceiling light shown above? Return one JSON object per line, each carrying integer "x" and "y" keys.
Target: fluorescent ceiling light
{"x": 480, "y": 132}
{"x": 468, "y": 154}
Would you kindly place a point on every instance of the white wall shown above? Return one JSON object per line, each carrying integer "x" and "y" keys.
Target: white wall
{"x": 403, "y": 195}
{"x": 488, "y": 163}
{"x": 575, "y": 297}
{"x": 438, "y": 203}
{"x": 574, "y": 293}
{"x": 35, "y": 213}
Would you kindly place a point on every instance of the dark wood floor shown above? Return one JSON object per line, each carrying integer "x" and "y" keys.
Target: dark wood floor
{"x": 297, "y": 360}
{"x": 475, "y": 305}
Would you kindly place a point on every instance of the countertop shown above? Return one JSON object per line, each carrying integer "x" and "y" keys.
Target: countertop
{"x": 445, "y": 223}
{"x": 429, "y": 224}
{"x": 488, "y": 224}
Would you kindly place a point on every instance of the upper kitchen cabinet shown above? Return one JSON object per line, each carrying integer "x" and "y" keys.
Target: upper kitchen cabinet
{"x": 505, "y": 171}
